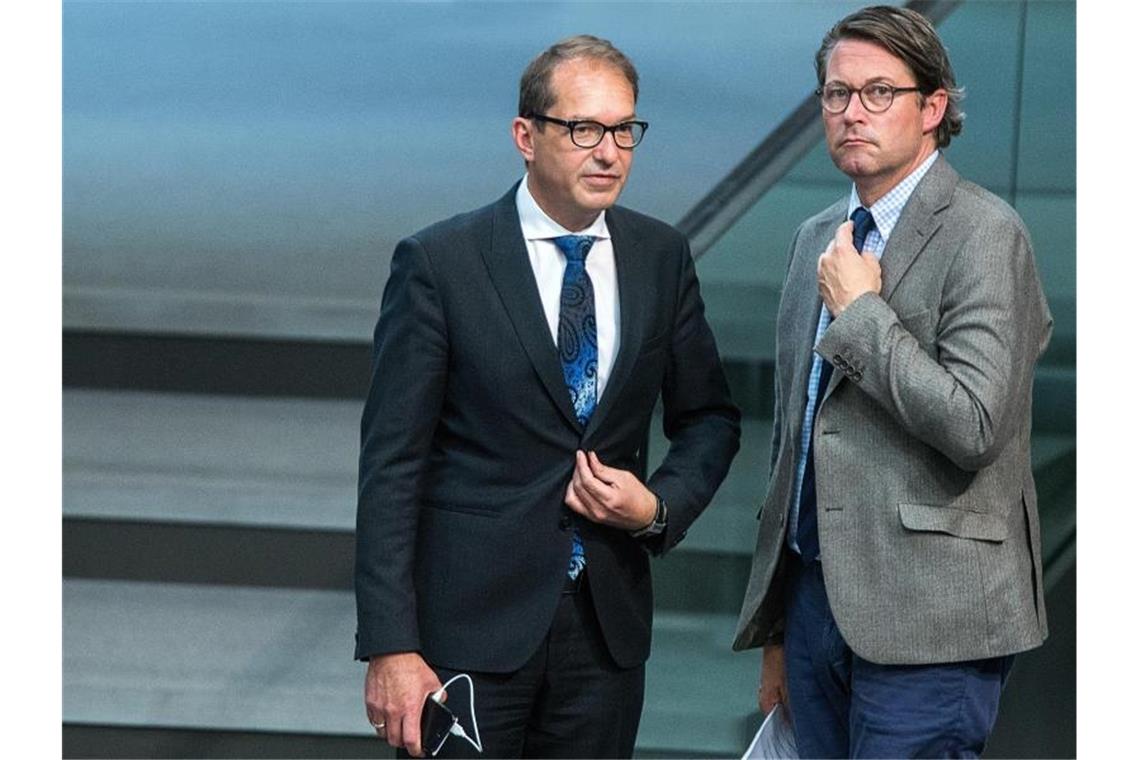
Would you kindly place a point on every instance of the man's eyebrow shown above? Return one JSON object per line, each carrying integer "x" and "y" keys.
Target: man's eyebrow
{"x": 880, "y": 78}
{"x": 622, "y": 120}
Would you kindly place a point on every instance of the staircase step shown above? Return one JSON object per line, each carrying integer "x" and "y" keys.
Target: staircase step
{"x": 210, "y": 459}
{"x": 297, "y": 367}
{"x": 280, "y": 464}
{"x": 191, "y": 476}
{"x": 180, "y": 656}
{"x": 185, "y": 656}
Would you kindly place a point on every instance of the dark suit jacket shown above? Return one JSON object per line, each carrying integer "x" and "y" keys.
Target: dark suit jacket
{"x": 928, "y": 527}
{"x": 468, "y": 439}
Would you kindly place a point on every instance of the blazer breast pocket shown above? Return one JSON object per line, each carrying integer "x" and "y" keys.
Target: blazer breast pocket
{"x": 464, "y": 509}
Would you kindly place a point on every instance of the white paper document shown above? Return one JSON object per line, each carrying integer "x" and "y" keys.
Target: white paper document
{"x": 775, "y": 739}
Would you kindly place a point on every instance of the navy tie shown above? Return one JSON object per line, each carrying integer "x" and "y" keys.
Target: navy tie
{"x": 807, "y": 532}
{"x": 578, "y": 347}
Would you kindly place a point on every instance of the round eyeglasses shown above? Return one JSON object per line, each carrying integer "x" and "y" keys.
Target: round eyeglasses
{"x": 876, "y": 97}
{"x": 588, "y": 134}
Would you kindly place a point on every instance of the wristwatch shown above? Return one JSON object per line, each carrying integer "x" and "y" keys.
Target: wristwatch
{"x": 656, "y": 527}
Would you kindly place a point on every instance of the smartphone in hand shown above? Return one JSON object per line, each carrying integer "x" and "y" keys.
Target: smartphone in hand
{"x": 435, "y": 725}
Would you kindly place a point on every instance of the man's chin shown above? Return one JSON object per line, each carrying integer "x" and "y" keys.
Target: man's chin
{"x": 600, "y": 200}
{"x": 853, "y": 164}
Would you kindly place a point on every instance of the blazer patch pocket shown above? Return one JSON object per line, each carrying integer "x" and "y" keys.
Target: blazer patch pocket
{"x": 962, "y": 523}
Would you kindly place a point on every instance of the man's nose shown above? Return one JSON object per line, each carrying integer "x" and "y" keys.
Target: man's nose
{"x": 855, "y": 110}
{"x": 607, "y": 149}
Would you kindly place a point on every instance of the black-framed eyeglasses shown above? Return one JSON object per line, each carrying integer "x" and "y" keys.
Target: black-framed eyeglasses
{"x": 588, "y": 134}
{"x": 876, "y": 97}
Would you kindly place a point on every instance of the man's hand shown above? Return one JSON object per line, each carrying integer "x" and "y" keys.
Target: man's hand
{"x": 394, "y": 690}
{"x": 608, "y": 495}
{"x": 845, "y": 274}
{"x": 773, "y": 678}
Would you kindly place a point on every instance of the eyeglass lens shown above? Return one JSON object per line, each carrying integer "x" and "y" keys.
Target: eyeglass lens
{"x": 875, "y": 97}
{"x": 587, "y": 134}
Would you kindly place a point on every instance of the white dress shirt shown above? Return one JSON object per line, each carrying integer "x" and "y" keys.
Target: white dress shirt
{"x": 549, "y": 263}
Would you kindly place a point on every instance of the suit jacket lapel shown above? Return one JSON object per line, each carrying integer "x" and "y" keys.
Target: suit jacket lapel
{"x": 807, "y": 307}
{"x": 915, "y": 229}
{"x": 918, "y": 223}
{"x": 633, "y": 278}
{"x": 511, "y": 273}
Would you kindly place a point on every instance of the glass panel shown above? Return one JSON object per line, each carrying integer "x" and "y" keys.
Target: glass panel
{"x": 280, "y": 150}
{"x": 1048, "y": 157}
{"x": 983, "y": 42}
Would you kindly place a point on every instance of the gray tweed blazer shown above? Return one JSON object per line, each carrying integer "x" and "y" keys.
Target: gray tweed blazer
{"x": 928, "y": 526}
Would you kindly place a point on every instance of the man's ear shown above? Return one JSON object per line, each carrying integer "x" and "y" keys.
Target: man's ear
{"x": 933, "y": 109}
{"x": 522, "y": 130}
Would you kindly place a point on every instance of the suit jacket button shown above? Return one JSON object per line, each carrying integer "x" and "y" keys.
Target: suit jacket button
{"x": 564, "y": 522}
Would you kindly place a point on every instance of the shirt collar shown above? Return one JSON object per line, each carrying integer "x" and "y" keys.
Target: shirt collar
{"x": 537, "y": 224}
{"x": 887, "y": 210}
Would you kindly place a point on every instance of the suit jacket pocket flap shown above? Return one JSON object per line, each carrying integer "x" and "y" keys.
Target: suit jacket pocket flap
{"x": 957, "y": 522}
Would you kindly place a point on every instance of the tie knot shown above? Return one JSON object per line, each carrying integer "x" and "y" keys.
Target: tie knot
{"x": 864, "y": 223}
{"x": 575, "y": 247}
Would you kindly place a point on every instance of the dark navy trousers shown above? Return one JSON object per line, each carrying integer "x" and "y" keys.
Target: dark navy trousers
{"x": 570, "y": 699}
{"x": 845, "y": 706}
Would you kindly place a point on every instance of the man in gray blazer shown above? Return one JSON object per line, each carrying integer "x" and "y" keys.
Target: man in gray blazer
{"x": 898, "y": 558}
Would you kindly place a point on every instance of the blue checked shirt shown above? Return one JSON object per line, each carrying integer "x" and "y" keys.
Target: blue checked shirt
{"x": 886, "y": 212}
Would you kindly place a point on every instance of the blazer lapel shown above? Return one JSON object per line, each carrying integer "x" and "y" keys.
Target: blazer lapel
{"x": 511, "y": 273}
{"x": 809, "y": 305}
{"x": 633, "y": 278}
{"x": 918, "y": 223}
{"x": 913, "y": 232}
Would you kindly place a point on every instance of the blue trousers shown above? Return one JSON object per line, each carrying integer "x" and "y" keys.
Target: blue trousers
{"x": 845, "y": 706}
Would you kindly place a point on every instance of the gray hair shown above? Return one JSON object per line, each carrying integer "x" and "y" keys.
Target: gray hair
{"x": 911, "y": 37}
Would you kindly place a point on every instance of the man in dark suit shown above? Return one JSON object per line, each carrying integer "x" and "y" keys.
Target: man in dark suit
{"x": 519, "y": 354}
{"x": 898, "y": 558}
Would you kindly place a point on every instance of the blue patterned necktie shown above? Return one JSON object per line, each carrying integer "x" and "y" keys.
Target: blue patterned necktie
{"x": 807, "y": 530}
{"x": 578, "y": 347}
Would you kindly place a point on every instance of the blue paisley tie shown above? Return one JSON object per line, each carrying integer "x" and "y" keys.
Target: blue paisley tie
{"x": 578, "y": 347}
